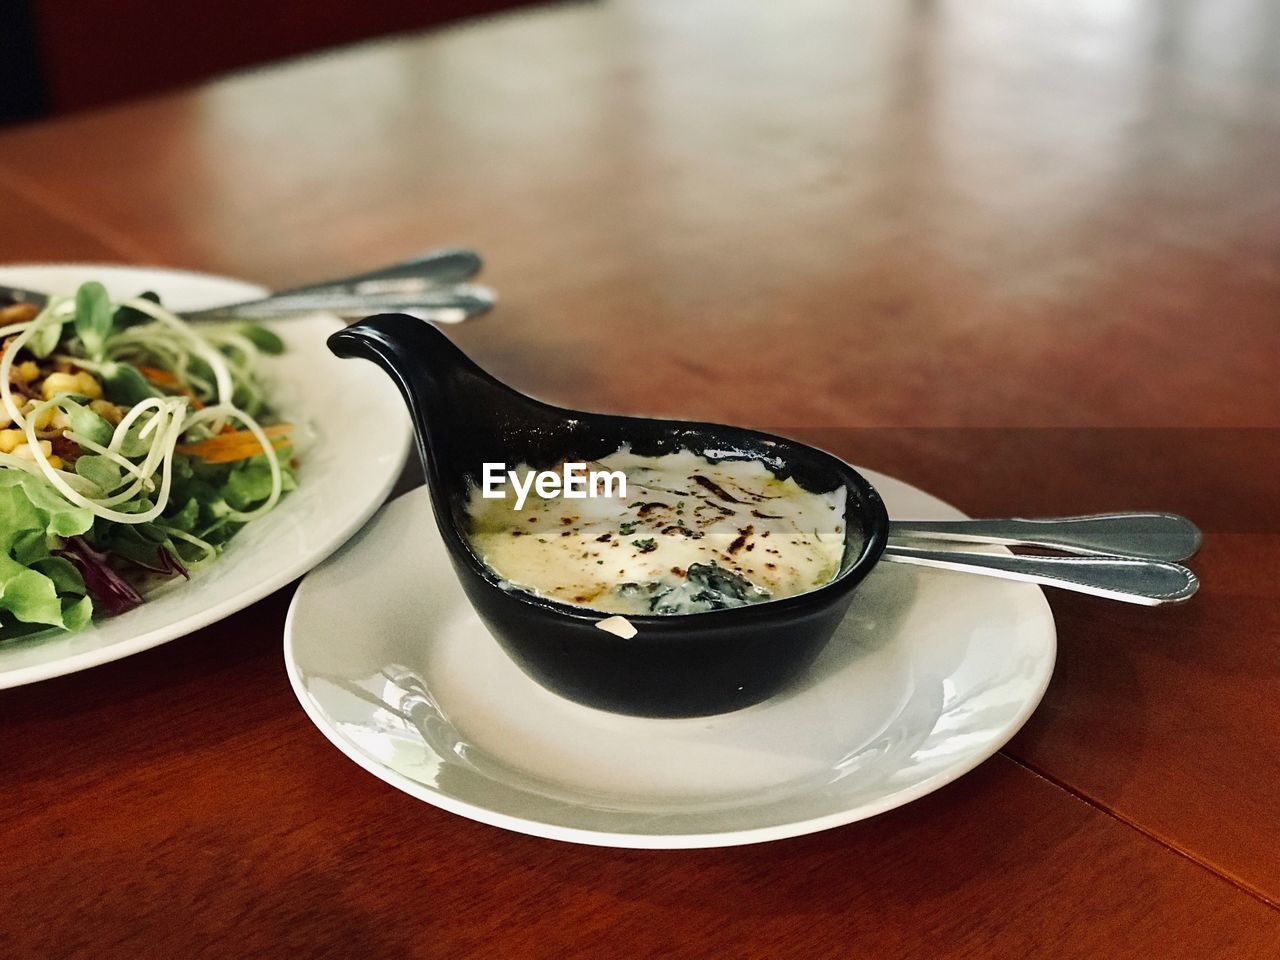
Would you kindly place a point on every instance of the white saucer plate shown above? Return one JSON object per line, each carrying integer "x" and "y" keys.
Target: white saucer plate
{"x": 358, "y": 437}
{"x": 929, "y": 675}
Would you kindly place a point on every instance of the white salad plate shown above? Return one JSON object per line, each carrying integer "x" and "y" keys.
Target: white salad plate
{"x": 930, "y": 673}
{"x": 354, "y": 437}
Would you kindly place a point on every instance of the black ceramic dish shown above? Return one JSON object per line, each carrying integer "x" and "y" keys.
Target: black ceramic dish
{"x": 676, "y": 666}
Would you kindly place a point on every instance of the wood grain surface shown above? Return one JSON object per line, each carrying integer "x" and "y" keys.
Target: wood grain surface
{"x": 1024, "y": 256}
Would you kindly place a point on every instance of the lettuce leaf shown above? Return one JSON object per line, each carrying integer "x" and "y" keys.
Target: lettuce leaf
{"x": 29, "y": 502}
{"x": 104, "y": 474}
{"x": 88, "y": 424}
{"x": 30, "y": 596}
{"x": 45, "y": 340}
{"x": 268, "y": 341}
{"x": 249, "y": 483}
{"x": 32, "y": 580}
{"x": 94, "y": 317}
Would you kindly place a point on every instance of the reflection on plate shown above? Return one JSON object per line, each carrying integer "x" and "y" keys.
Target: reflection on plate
{"x": 361, "y": 439}
{"x": 930, "y": 674}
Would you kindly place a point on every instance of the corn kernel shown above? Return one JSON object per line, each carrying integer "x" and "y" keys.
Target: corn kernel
{"x": 26, "y": 371}
{"x": 89, "y": 385}
{"x": 56, "y": 383}
{"x": 43, "y": 417}
{"x": 107, "y": 410}
{"x": 55, "y": 461}
{"x": 11, "y": 439}
{"x": 26, "y": 453}
{"x": 60, "y": 420}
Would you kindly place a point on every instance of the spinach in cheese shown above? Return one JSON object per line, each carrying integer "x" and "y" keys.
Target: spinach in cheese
{"x": 690, "y": 535}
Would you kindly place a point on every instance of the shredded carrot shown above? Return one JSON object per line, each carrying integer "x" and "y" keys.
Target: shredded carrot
{"x": 18, "y": 313}
{"x": 163, "y": 378}
{"x": 157, "y": 376}
{"x": 240, "y": 453}
{"x": 236, "y": 445}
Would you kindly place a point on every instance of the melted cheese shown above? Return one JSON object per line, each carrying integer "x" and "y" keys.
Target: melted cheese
{"x": 633, "y": 554}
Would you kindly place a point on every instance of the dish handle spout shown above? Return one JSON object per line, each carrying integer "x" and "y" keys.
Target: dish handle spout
{"x": 462, "y": 416}
{"x": 441, "y": 386}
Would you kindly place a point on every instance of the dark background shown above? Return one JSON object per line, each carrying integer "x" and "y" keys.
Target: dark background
{"x": 59, "y": 56}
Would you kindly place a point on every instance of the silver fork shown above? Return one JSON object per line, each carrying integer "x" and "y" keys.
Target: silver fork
{"x": 431, "y": 287}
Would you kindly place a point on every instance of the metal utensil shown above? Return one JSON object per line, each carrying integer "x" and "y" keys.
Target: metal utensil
{"x": 1141, "y": 535}
{"x": 10, "y": 296}
{"x": 443, "y": 267}
{"x": 442, "y": 304}
{"x": 1147, "y": 582}
{"x": 424, "y": 286}
{"x": 430, "y": 287}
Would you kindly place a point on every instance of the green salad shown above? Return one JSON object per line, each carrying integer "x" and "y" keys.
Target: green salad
{"x": 133, "y": 446}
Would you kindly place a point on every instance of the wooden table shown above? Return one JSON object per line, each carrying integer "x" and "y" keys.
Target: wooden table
{"x": 1024, "y": 255}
